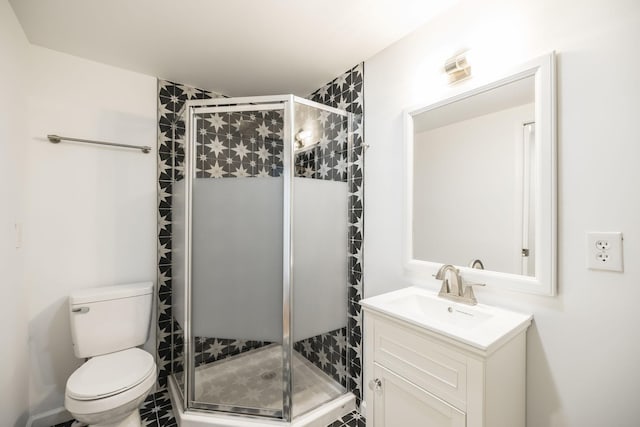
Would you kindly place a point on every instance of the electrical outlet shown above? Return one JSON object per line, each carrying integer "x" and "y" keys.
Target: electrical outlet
{"x": 602, "y": 245}
{"x": 604, "y": 251}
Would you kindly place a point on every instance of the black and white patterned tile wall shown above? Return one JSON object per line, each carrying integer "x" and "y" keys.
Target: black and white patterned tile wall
{"x": 171, "y": 132}
{"x": 346, "y": 92}
{"x": 250, "y": 144}
{"x": 328, "y": 352}
{"x": 238, "y": 145}
{"x": 321, "y": 142}
{"x": 208, "y": 350}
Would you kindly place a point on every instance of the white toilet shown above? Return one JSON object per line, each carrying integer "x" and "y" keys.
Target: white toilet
{"x": 107, "y": 324}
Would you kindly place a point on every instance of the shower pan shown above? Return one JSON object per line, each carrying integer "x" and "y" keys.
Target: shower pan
{"x": 260, "y": 263}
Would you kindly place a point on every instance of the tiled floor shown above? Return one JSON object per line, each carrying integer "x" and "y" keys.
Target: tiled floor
{"x": 157, "y": 412}
{"x": 354, "y": 419}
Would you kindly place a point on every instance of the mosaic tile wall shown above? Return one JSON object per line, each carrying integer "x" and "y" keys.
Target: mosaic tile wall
{"x": 213, "y": 349}
{"x": 250, "y": 144}
{"x": 242, "y": 145}
{"x": 323, "y": 153}
{"x": 328, "y": 352}
{"x": 346, "y": 92}
{"x": 208, "y": 350}
{"x": 171, "y": 131}
{"x": 238, "y": 145}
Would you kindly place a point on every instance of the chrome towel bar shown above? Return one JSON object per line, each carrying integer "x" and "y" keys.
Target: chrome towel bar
{"x": 56, "y": 139}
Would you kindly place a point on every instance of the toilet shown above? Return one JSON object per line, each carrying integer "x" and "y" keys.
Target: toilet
{"x": 107, "y": 325}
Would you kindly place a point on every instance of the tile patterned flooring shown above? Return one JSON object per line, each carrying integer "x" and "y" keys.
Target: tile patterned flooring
{"x": 157, "y": 412}
{"x": 353, "y": 419}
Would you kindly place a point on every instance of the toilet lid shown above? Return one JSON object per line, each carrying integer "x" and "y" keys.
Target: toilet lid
{"x": 109, "y": 374}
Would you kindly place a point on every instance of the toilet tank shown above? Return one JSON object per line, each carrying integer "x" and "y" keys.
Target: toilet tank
{"x": 110, "y": 318}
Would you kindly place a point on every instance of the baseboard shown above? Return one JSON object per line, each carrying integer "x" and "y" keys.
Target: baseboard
{"x": 49, "y": 418}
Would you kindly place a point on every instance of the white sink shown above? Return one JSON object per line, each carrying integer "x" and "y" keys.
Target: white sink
{"x": 480, "y": 326}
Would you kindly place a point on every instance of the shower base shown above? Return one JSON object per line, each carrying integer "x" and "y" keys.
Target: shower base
{"x": 254, "y": 379}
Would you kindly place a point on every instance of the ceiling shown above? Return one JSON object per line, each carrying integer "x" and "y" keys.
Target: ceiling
{"x": 236, "y": 47}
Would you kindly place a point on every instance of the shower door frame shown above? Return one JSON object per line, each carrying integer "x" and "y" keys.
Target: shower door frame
{"x": 255, "y": 103}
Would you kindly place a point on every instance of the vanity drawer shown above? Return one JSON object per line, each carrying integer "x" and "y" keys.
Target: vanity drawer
{"x": 422, "y": 361}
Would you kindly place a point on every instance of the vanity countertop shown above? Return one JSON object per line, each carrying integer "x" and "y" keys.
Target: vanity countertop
{"x": 480, "y": 326}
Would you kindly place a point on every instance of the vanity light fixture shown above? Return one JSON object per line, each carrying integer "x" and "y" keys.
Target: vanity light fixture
{"x": 457, "y": 68}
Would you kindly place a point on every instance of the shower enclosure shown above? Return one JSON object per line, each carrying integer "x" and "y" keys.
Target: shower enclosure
{"x": 260, "y": 261}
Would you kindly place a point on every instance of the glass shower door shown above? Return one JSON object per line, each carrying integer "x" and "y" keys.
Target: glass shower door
{"x": 320, "y": 262}
{"x": 261, "y": 264}
{"x": 237, "y": 186}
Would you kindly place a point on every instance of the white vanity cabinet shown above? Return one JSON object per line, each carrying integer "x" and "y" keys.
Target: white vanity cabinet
{"x": 399, "y": 402}
{"x": 417, "y": 377}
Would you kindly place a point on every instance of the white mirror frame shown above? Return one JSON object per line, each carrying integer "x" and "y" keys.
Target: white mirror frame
{"x": 544, "y": 281}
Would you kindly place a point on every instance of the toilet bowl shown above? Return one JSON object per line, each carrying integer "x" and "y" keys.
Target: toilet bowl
{"x": 108, "y": 324}
{"x": 108, "y": 390}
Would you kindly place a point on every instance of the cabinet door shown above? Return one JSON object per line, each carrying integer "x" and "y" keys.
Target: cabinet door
{"x": 400, "y": 403}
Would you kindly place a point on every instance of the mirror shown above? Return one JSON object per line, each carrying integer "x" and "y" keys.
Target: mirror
{"x": 480, "y": 182}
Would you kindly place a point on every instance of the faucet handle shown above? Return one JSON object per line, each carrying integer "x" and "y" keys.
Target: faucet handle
{"x": 476, "y": 263}
{"x": 474, "y": 284}
{"x": 468, "y": 292}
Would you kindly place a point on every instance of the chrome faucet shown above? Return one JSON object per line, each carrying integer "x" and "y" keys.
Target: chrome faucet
{"x": 453, "y": 286}
{"x": 450, "y": 277}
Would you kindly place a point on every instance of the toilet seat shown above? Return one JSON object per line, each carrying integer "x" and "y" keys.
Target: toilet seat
{"x": 104, "y": 400}
{"x": 110, "y": 374}
{"x": 120, "y": 403}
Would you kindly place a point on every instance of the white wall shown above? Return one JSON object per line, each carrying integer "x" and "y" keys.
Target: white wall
{"x": 583, "y": 349}
{"x": 13, "y": 306}
{"x": 90, "y": 211}
{"x": 467, "y": 191}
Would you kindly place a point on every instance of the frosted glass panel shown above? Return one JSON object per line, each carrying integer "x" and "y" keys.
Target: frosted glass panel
{"x": 320, "y": 263}
{"x": 237, "y": 258}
